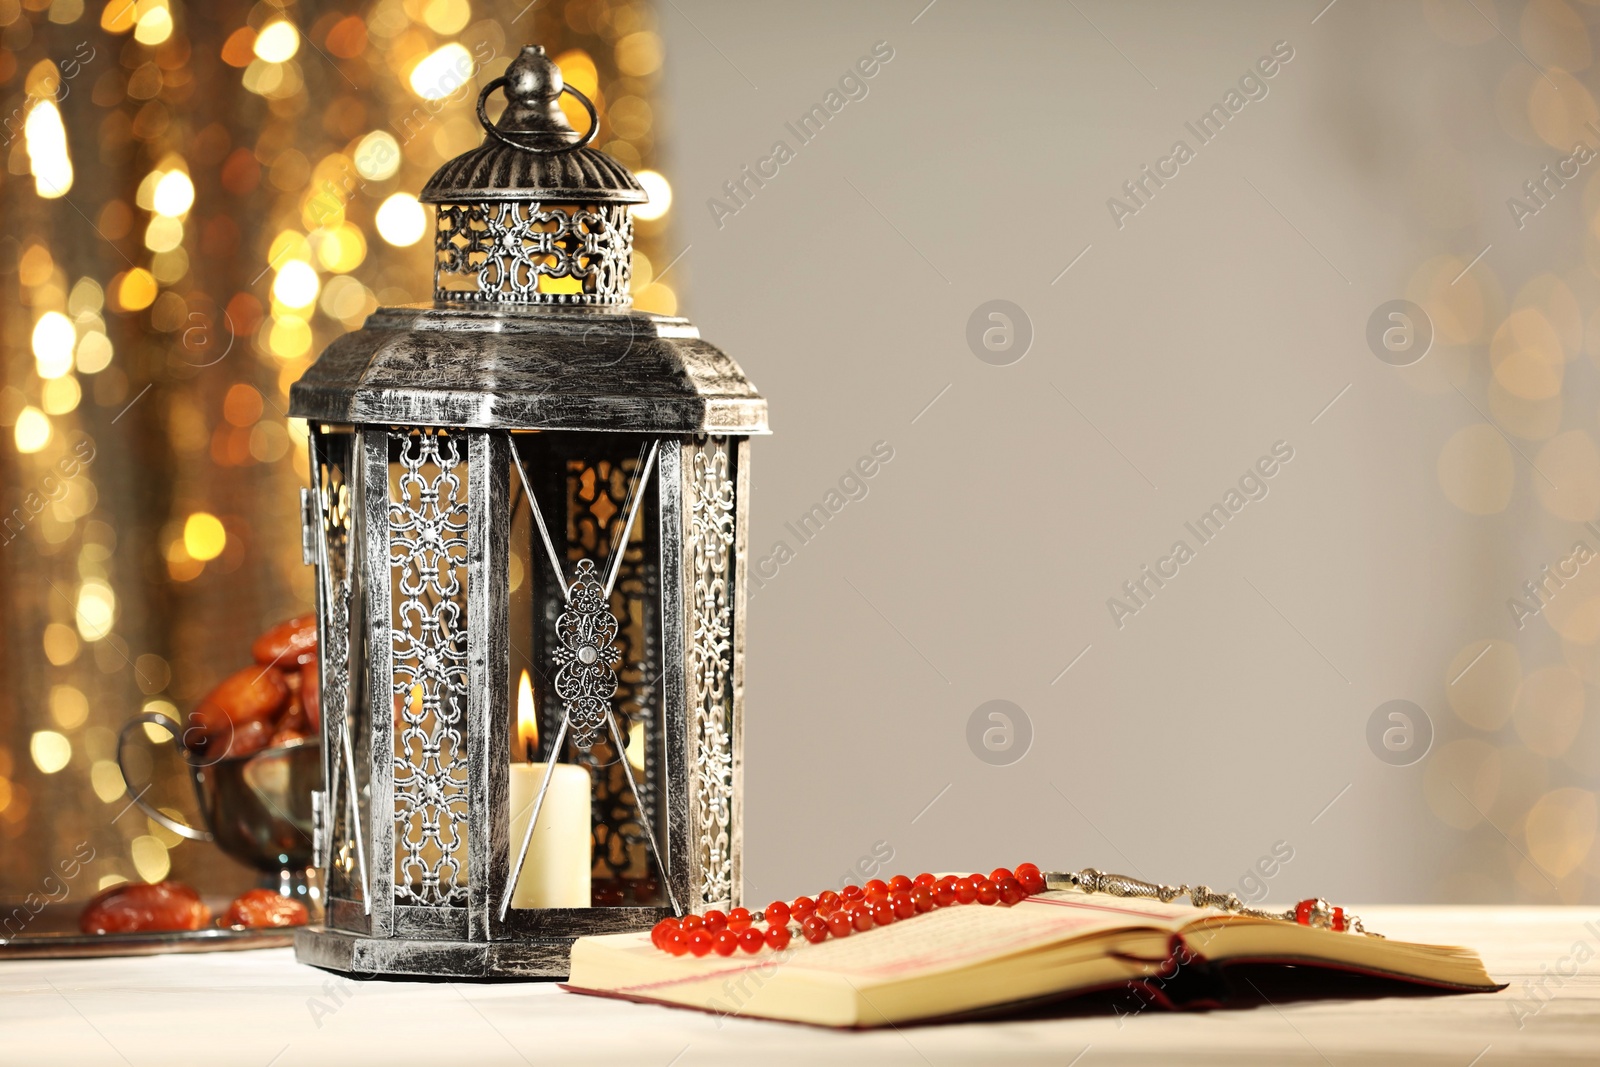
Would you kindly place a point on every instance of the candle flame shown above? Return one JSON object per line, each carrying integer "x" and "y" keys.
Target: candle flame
{"x": 527, "y": 719}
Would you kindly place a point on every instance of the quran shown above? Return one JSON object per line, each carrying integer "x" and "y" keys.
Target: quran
{"x": 983, "y": 960}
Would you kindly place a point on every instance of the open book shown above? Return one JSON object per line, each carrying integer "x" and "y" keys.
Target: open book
{"x": 955, "y": 961}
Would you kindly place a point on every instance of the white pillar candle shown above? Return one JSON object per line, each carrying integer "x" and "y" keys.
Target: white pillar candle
{"x": 555, "y": 873}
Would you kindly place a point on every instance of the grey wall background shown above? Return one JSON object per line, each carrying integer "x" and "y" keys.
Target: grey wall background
{"x": 1231, "y": 713}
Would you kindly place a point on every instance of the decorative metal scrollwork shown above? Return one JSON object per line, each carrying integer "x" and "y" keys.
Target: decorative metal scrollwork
{"x": 428, "y": 555}
{"x": 587, "y": 678}
{"x": 711, "y": 504}
{"x": 514, "y": 251}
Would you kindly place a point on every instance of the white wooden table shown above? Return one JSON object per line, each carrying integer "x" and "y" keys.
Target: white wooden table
{"x": 259, "y": 1008}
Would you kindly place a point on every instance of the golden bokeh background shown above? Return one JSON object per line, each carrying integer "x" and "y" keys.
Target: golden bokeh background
{"x": 1517, "y": 762}
{"x": 197, "y": 198}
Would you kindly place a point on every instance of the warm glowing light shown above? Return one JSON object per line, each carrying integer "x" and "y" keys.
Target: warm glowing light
{"x": 94, "y": 353}
{"x": 32, "y": 429}
{"x": 68, "y": 706}
{"x": 660, "y": 193}
{"x": 118, "y": 16}
{"x": 150, "y": 858}
{"x": 527, "y": 718}
{"x": 60, "y": 643}
{"x": 138, "y": 290}
{"x": 163, "y": 234}
{"x": 447, "y": 16}
{"x": 107, "y": 781}
{"x": 442, "y": 72}
{"x": 378, "y": 156}
{"x": 635, "y": 749}
{"x": 48, "y": 159}
{"x": 278, "y": 42}
{"x": 51, "y": 751}
{"x": 154, "y": 25}
{"x": 174, "y": 193}
{"x": 340, "y": 248}
{"x": 296, "y": 285}
{"x": 61, "y": 395}
{"x": 204, "y": 536}
{"x": 53, "y": 340}
{"x": 401, "y": 220}
{"x": 290, "y": 337}
{"x": 97, "y": 609}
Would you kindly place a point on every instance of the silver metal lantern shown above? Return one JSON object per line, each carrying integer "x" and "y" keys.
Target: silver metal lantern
{"x": 526, "y": 497}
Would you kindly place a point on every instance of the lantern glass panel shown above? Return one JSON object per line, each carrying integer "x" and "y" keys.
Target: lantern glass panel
{"x": 338, "y": 519}
{"x": 586, "y": 485}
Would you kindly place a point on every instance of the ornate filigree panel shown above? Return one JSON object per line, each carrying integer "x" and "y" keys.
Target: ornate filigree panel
{"x": 428, "y": 565}
{"x": 524, "y": 252}
{"x": 587, "y": 659}
{"x": 709, "y": 505}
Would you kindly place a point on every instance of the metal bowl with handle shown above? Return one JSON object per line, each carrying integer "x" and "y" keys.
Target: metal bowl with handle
{"x": 256, "y": 808}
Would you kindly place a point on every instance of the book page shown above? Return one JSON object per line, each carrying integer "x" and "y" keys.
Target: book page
{"x": 945, "y": 939}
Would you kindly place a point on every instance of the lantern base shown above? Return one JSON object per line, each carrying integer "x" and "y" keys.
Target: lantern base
{"x": 376, "y": 957}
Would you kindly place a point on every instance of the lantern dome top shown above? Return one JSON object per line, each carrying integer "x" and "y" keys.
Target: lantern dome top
{"x": 530, "y": 327}
{"x": 532, "y": 153}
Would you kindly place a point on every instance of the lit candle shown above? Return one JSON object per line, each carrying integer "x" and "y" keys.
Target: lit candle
{"x": 555, "y": 873}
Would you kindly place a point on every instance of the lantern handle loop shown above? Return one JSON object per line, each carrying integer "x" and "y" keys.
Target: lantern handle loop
{"x": 499, "y": 135}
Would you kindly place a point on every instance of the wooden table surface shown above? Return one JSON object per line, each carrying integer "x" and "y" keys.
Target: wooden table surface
{"x": 261, "y": 1008}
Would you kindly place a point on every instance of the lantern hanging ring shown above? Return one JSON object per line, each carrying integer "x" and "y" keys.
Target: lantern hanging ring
{"x": 489, "y": 127}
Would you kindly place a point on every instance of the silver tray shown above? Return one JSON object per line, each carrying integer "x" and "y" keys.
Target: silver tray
{"x": 53, "y": 934}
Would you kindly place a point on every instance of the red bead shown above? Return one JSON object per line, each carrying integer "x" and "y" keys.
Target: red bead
{"x": 777, "y": 912}
{"x": 883, "y": 912}
{"x": 852, "y": 892}
{"x": 839, "y": 923}
{"x": 966, "y": 890}
{"x": 1030, "y": 878}
{"x": 1011, "y": 892}
{"x": 699, "y": 941}
{"x": 751, "y": 939}
{"x": 1034, "y": 867}
{"x": 1302, "y": 912}
{"x": 814, "y": 929}
{"x": 802, "y": 908}
{"x": 861, "y": 916}
{"x": 777, "y": 937}
{"x": 725, "y": 942}
{"x": 949, "y": 879}
{"x": 944, "y": 895}
{"x": 739, "y": 919}
{"x": 692, "y": 922}
{"x": 922, "y": 898}
{"x": 988, "y": 892}
{"x": 716, "y": 922}
{"x": 1000, "y": 874}
{"x": 925, "y": 880}
{"x": 660, "y": 930}
{"x": 899, "y": 883}
{"x": 877, "y": 885}
{"x": 875, "y": 895}
{"x": 675, "y": 942}
{"x": 1338, "y": 919}
{"x": 828, "y": 897}
{"x": 901, "y": 903}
